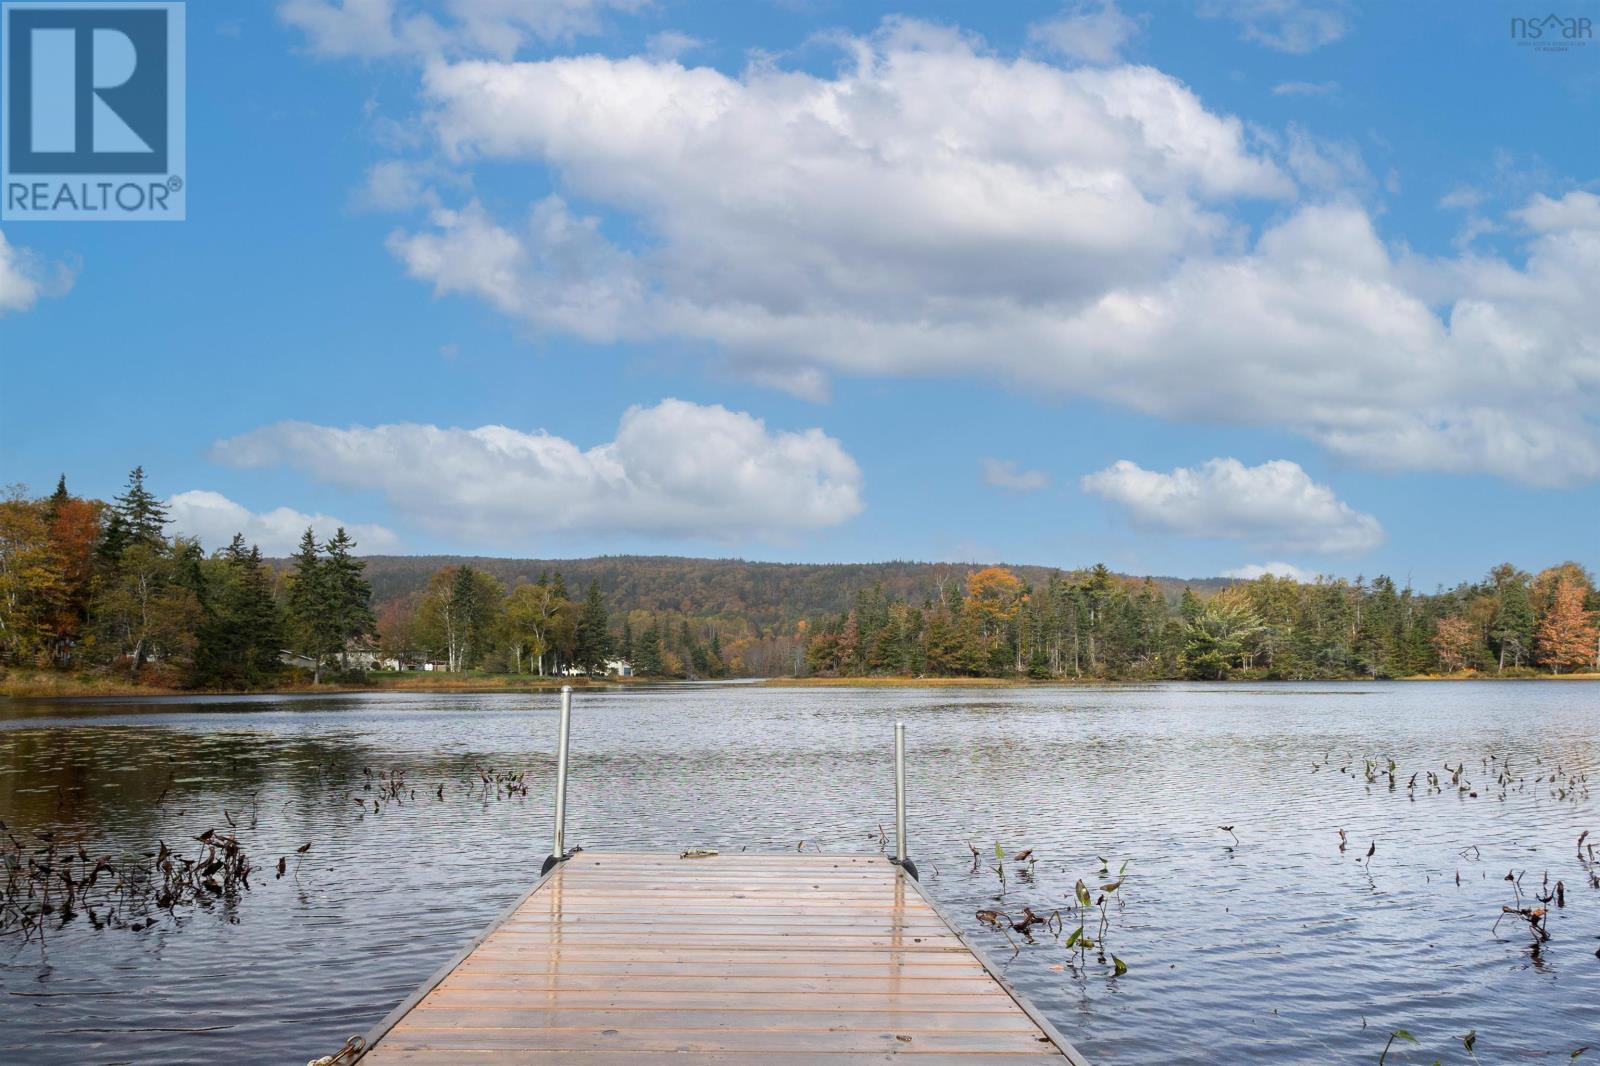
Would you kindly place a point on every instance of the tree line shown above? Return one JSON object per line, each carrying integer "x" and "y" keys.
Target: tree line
{"x": 537, "y": 627}
{"x": 1096, "y": 624}
{"x": 91, "y": 585}
{"x": 86, "y": 584}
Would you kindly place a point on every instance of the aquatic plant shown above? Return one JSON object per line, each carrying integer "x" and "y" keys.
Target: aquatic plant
{"x": 1397, "y": 1034}
{"x": 57, "y": 881}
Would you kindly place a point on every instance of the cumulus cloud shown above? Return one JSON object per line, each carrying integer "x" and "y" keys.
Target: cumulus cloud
{"x": 675, "y": 469}
{"x": 1093, "y": 33}
{"x": 214, "y": 519}
{"x": 1251, "y": 571}
{"x": 1004, "y": 474}
{"x": 25, "y": 277}
{"x": 1275, "y": 505}
{"x": 377, "y": 28}
{"x": 1294, "y": 26}
{"x": 934, "y": 209}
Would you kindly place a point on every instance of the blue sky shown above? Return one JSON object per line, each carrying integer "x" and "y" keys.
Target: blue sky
{"x": 1186, "y": 288}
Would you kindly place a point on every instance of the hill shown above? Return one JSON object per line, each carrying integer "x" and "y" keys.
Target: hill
{"x": 761, "y": 595}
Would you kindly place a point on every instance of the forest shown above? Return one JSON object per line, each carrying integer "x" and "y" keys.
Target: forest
{"x": 105, "y": 587}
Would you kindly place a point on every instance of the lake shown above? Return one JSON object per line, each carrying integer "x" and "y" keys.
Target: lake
{"x": 1266, "y": 944}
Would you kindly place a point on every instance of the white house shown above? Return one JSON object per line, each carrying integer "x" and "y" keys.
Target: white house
{"x": 614, "y": 668}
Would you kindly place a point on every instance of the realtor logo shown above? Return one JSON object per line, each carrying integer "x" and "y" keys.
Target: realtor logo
{"x": 92, "y": 120}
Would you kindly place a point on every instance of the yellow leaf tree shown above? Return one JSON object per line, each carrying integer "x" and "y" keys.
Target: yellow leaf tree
{"x": 1566, "y": 634}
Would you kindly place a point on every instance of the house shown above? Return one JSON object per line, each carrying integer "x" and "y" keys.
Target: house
{"x": 613, "y": 668}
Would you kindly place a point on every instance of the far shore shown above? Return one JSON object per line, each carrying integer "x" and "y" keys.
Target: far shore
{"x": 51, "y": 684}
{"x": 1069, "y": 682}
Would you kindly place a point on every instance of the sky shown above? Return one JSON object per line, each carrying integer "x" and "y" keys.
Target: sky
{"x": 1187, "y": 288}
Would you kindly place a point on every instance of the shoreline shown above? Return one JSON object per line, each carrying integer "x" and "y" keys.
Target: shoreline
{"x": 1067, "y": 682}
{"x": 46, "y": 685}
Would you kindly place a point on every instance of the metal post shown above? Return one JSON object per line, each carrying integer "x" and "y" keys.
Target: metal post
{"x": 559, "y": 852}
{"x": 900, "y": 857}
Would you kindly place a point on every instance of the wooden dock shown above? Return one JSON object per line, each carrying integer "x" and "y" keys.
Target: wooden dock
{"x": 776, "y": 960}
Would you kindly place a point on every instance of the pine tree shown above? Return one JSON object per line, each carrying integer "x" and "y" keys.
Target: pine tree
{"x": 592, "y": 640}
{"x": 649, "y": 660}
{"x": 259, "y": 619}
{"x": 58, "y": 499}
{"x": 350, "y": 593}
{"x": 1189, "y": 606}
{"x": 465, "y": 609}
{"x": 241, "y": 641}
{"x": 312, "y": 607}
{"x": 1513, "y": 626}
{"x": 144, "y": 517}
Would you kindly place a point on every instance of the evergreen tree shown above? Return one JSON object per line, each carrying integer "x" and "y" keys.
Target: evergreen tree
{"x": 112, "y": 543}
{"x": 259, "y": 619}
{"x": 592, "y": 639}
{"x": 144, "y": 517}
{"x": 1189, "y": 606}
{"x": 716, "y": 666}
{"x": 648, "y": 658}
{"x": 1511, "y": 633}
{"x": 312, "y": 607}
{"x": 460, "y": 613}
{"x": 349, "y": 593}
{"x": 58, "y": 499}
{"x": 241, "y": 641}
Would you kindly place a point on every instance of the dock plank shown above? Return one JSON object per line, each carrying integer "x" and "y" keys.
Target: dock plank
{"x": 733, "y": 960}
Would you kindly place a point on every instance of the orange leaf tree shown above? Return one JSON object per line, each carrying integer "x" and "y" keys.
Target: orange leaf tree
{"x": 1566, "y": 634}
{"x": 1453, "y": 642}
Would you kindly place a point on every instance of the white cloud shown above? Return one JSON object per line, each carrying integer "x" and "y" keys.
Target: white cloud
{"x": 794, "y": 220}
{"x": 1325, "y": 165}
{"x": 1251, "y": 571}
{"x": 936, "y": 210}
{"x": 1576, "y": 211}
{"x": 675, "y": 469}
{"x": 557, "y": 271}
{"x": 1294, "y": 26}
{"x": 1275, "y": 505}
{"x": 1091, "y": 32}
{"x": 1306, "y": 88}
{"x": 405, "y": 185}
{"x": 376, "y": 28}
{"x": 1462, "y": 197}
{"x": 1004, "y": 474}
{"x": 214, "y": 519}
{"x": 671, "y": 44}
{"x": 25, "y": 277}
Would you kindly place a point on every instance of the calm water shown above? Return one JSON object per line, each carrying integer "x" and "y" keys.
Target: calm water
{"x": 1277, "y": 949}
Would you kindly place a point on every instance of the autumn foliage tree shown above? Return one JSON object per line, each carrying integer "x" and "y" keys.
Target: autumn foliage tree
{"x": 1566, "y": 635}
{"x": 1453, "y": 641}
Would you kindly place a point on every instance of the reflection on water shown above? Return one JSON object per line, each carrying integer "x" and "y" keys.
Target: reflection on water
{"x": 1275, "y": 949}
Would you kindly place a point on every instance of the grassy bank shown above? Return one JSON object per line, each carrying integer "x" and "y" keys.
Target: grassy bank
{"x": 48, "y": 684}
{"x": 58, "y": 684}
{"x": 1518, "y": 675}
{"x": 1023, "y": 682}
{"x": 920, "y": 682}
